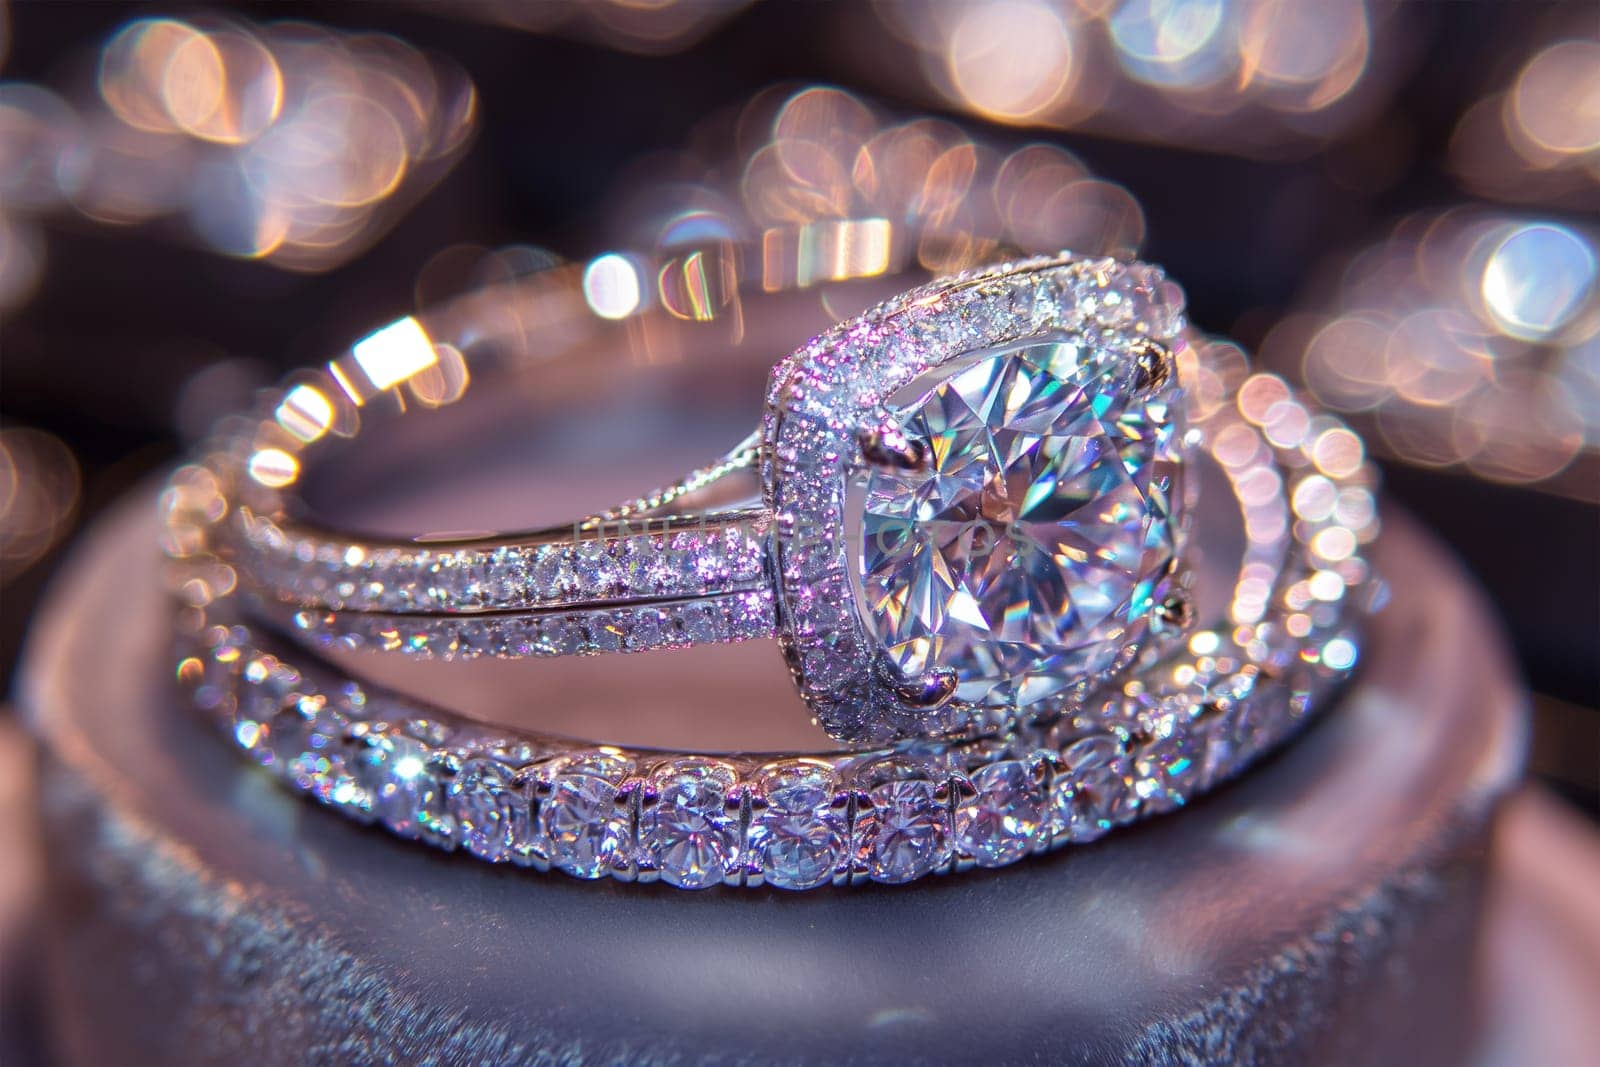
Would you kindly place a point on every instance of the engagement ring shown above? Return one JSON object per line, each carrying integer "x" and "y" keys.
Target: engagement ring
{"x": 971, "y": 510}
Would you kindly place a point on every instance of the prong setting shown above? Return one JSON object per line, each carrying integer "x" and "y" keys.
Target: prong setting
{"x": 1174, "y": 613}
{"x": 886, "y": 446}
{"x": 932, "y": 689}
{"x": 1154, "y": 366}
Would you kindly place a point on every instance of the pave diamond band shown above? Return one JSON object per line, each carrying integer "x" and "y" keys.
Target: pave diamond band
{"x": 591, "y": 631}
{"x": 643, "y": 560}
{"x": 793, "y": 822}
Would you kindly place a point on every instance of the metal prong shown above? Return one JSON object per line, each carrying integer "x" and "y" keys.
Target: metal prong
{"x": 888, "y": 447}
{"x": 931, "y": 690}
{"x": 1175, "y": 611}
{"x": 1154, "y": 365}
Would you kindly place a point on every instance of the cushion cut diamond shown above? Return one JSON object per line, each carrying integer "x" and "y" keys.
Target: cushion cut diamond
{"x": 1024, "y": 551}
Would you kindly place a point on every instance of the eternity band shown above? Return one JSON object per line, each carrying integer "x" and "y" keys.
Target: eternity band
{"x": 972, "y": 512}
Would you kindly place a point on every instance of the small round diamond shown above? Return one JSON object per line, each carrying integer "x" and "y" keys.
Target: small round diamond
{"x": 288, "y": 734}
{"x": 1166, "y": 770}
{"x": 797, "y": 837}
{"x": 905, "y": 830}
{"x": 1154, "y": 302}
{"x": 688, "y": 833}
{"x": 269, "y": 684}
{"x": 309, "y": 750}
{"x": 1023, "y": 551}
{"x": 1092, "y": 794}
{"x": 999, "y": 824}
{"x": 490, "y": 810}
{"x": 393, "y": 774}
{"x": 583, "y": 827}
{"x": 1217, "y": 737}
{"x": 1252, "y": 728}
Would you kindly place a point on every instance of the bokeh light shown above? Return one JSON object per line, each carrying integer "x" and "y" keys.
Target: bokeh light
{"x": 1183, "y": 44}
{"x": 649, "y": 27}
{"x": 40, "y": 486}
{"x": 1536, "y": 138}
{"x": 284, "y": 142}
{"x": 810, "y": 185}
{"x": 1311, "y": 55}
{"x": 612, "y": 285}
{"x": 21, "y": 259}
{"x": 1555, "y": 100}
{"x": 1466, "y": 339}
{"x": 1258, "y": 77}
{"x": 1012, "y": 60}
{"x": 1537, "y": 279}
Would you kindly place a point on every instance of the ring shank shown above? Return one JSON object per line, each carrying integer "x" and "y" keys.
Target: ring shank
{"x": 683, "y": 550}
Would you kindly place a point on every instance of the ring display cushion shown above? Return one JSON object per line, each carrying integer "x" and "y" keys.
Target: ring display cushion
{"x": 1324, "y": 909}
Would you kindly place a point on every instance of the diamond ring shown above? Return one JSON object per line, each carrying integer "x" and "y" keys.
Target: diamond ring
{"x": 971, "y": 511}
{"x": 1271, "y": 639}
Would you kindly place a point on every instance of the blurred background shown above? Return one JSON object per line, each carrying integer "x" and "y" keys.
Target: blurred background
{"x": 1393, "y": 204}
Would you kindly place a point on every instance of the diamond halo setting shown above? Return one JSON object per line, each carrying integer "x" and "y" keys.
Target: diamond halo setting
{"x": 1006, "y": 535}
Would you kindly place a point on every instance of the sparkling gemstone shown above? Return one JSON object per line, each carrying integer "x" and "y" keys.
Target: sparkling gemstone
{"x": 1253, "y": 725}
{"x": 999, "y": 824}
{"x": 688, "y": 832}
{"x": 699, "y": 623}
{"x": 582, "y": 825}
{"x": 1091, "y": 795}
{"x": 393, "y": 774}
{"x": 308, "y": 745}
{"x": 904, "y": 830}
{"x": 1217, "y": 738}
{"x": 506, "y": 579}
{"x": 490, "y": 809}
{"x": 1025, "y": 552}
{"x": 598, "y": 573}
{"x": 1167, "y": 769}
{"x": 287, "y": 734}
{"x": 1155, "y": 301}
{"x": 797, "y": 837}
{"x": 252, "y": 723}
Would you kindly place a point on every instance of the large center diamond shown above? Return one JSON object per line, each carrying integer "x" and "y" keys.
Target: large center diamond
{"x": 1025, "y": 551}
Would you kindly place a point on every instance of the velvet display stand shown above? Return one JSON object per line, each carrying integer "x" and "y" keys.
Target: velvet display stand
{"x": 1322, "y": 909}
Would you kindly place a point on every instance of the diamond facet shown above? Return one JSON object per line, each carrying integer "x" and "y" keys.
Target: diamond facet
{"x": 316, "y": 762}
{"x": 1026, "y": 551}
{"x": 797, "y": 837}
{"x": 906, "y": 830}
{"x": 688, "y": 832}
{"x": 392, "y": 772}
{"x": 582, "y": 825}
{"x": 1092, "y": 793}
{"x": 998, "y": 824}
{"x": 1166, "y": 769}
{"x": 490, "y": 809}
